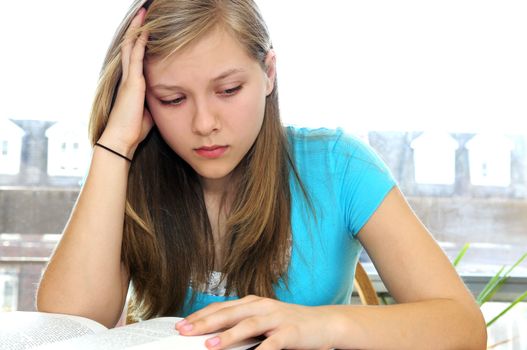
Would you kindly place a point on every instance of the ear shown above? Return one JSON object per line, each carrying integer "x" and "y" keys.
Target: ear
{"x": 270, "y": 71}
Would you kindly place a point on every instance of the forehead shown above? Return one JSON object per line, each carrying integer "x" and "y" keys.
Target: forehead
{"x": 213, "y": 52}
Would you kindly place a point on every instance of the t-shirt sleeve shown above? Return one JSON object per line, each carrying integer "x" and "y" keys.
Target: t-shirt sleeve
{"x": 364, "y": 180}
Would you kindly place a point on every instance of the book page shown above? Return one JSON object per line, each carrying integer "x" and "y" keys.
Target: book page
{"x": 25, "y": 330}
{"x": 123, "y": 337}
{"x": 196, "y": 342}
{"x": 158, "y": 333}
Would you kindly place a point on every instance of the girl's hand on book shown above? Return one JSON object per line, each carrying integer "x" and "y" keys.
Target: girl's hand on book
{"x": 286, "y": 326}
{"x": 130, "y": 121}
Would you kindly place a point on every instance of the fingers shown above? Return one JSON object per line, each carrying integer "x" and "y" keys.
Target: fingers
{"x": 213, "y": 308}
{"x": 129, "y": 121}
{"x": 147, "y": 123}
{"x": 132, "y": 48}
{"x": 219, "y": 316}
{"x": 284, "y": 325}
{"x": 247, "y": 328}
{"x": 276, "y": 342}
{"x": 248, "y": 317}
{"x": 138, "y": 54}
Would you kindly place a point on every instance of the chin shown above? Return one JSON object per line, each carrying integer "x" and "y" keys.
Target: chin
{"x": 214, "y": 174}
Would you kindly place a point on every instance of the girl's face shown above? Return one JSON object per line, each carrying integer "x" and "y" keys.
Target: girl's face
{"x": 208, "y": 102}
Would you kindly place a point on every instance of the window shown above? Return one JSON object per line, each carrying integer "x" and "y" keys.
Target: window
{"x": 8, "y": 289}
{"x": 44, "y": 148}
{"x": 10, "y": 147}
{"x": 438, "y": 90}
{"x": 4, "y": 148}
{"x": 66, "y": 156}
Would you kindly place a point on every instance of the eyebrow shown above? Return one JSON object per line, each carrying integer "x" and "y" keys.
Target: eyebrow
{"x": 223, "y": 75}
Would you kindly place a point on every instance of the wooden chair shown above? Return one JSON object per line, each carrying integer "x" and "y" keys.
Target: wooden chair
{"x": 364, "y": 287}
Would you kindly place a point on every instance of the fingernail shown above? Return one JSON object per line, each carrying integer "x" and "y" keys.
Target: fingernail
{"x": 213, "y": 341}
{"x": 187, "y": 327}
{"x": 181, "y": 323}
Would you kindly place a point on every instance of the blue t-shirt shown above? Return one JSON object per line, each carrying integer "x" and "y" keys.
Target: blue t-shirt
{"x": 346, "y": 182}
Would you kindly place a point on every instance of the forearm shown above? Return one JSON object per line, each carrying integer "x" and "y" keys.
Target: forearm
{"x": 84, "y": 275}
{"x": 433, "y": 324}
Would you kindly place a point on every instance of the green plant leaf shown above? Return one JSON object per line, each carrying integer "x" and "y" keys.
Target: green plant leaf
{"x": 489, "y": 287}
{"x": 461, "y": 254}
{"x": 494, "y": 284}
{"x": 497, "y": 282}
{"x": 516, "y": 264}
{"x": 516, "y": 301}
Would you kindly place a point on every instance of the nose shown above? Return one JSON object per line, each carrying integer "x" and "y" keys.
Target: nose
{"x": 205, "y": 120}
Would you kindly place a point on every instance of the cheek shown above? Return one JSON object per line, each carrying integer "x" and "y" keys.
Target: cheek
{"x": 174, "y": 137}
{"x": 154, "y": 108}
{"x": 168, "y": 125}
{"x": 160, "y": 114}
{"x": 260, "y": 111}
{"x": 253, "y": 109}
{"x": 170, "y": 129}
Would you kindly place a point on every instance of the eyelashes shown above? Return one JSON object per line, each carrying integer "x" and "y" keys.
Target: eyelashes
{"x": 225, "y": 93}
{"x": 174, "y": 102}
{"x": 232, "y": 91}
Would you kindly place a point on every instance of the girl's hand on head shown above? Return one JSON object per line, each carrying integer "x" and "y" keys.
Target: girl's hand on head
{"x": 286, "y": 326}
{"x": 130, "y": 121}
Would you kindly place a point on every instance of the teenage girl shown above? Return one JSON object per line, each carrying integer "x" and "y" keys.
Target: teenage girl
{"x": 208, "y": 208}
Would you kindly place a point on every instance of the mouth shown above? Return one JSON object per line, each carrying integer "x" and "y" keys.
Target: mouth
{"x": 211, "y": 152}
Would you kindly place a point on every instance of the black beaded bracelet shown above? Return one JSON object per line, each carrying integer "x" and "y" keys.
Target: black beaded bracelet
{"x": 111, "y": 150}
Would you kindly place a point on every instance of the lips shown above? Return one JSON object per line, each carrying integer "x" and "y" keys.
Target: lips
{"x": 210, "y": 148}
{"x": 211, "y": 152}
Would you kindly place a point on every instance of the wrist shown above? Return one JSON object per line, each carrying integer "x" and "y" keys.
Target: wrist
{"x": 340, "y": 327}
{"x": 117, "y": 145}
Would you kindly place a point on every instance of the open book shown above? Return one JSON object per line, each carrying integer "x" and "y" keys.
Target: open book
{"x": 37, "y": 330}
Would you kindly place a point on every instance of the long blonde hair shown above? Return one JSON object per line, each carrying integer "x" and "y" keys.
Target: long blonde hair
{"x": 167, "y": 242}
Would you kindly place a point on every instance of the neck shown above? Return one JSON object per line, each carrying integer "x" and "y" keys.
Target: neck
{"x": 217, "y": 187}
{"x": 214, "y": 187}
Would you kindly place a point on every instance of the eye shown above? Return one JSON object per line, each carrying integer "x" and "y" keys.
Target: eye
{"x": 174, "y": 102}
{"x": 231, "y": 91}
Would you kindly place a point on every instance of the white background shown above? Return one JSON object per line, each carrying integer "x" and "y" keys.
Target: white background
{"x": 365, "y": 65}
